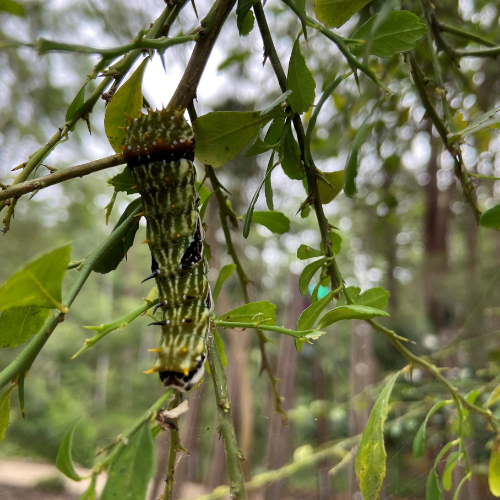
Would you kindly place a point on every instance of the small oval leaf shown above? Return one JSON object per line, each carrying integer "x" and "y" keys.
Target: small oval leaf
{"x": 5, "y": 411}
{"x": 64, "y": 462}
{"x": 307, "y": 274}
{"x": 349, "y": 312}
{"x": 224, "y": 274}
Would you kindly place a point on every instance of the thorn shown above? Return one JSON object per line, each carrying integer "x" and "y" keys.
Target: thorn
{"x": 140, "y": 214}
{"x": 186, "y": 372}
{"x": 145, "y": 241}
{"x": 159, "y": 323}
{"x": 158, "y": 349}
{"x": 129, "y": 118}
{"x": 150, "y": 371}
{"x": 152, "y": 275}
{"x": 157, "y": 306}
{"x": 162, "y": 59}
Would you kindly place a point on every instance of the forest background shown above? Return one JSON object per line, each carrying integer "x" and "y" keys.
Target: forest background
{"x": 408, "y": 229}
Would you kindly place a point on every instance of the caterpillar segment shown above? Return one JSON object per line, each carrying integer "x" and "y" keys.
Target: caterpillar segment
{"x": 160, "y": 150}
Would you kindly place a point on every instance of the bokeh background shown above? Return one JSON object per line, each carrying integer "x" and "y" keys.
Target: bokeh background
{"x": 407, "y": 230}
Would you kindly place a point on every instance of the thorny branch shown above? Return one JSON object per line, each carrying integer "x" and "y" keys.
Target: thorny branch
{"x": 60, "y": 175}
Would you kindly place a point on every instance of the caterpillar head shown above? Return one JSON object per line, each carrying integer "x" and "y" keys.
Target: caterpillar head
{"x": 159, "y": 135}
{"x": 182, "y": 382}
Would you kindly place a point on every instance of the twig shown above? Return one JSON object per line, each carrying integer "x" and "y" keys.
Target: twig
{"x": 226, "y": 427}
{"x": 43, "y": 46}
{"x": 17, "y": 190}
{"x": 172, "y": 453}
{"x": 459, "y": 169}
{"x": 210, "y": 29}
{"x": 25, "y": 359}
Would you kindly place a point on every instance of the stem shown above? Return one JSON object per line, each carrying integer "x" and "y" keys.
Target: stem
{"x": 43, "y": 46}
{"x": 25, "y": 359}
{"x": 459, "y": 169}
{"x": 121, "y": 440}
{"x": 17, "y": 190}
{"x": 172, "y": 453}
{"x": 233, "y": 453}
{"x": 269, "y": 328}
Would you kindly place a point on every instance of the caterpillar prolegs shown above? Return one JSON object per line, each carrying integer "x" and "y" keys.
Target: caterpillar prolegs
{"x": 160, "y": 151}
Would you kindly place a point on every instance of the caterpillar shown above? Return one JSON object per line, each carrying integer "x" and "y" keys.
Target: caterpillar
{"x": 159, "y": 150}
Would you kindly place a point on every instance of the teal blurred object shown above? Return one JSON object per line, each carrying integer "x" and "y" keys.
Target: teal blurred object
{"x": 322, "y": 291}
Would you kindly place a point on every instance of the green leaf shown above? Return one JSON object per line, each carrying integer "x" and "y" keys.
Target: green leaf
{"x": 353, "y": 293}
{"x": 350, "y": 312}
{"x": 282, "y": 98}
{"x": 110, "y": 260}
{"x": 248, "y": 23}
{"x": 126, "y": 101}
{"x": 306, "y": 252}
{"x": 451, "y": 462}
{"x": 419, "y": 441}
{"x": 12, "y": 7}
{"x": 5, "y": 411}
{"x": 374, "y": 297}
{"x": 19, "y": 324}
{"x": 77, "y": 103}
{"x": 491, "y": 218}
{"x": 37, "y": 284}
{"x": 221, "y": 135}
{"x": 276, "y": 222}
{"x": 328, "y": 193}
{"x": 204, "y": 207}
{"x": 494, "y": 469}
{"x": 275, "y": 130}
{"x": 351, "y": 168}
{"x": 252, "y": 312}
{"x": 311, "y": 314}
{"x": 300, "y": 81}
{"x": 249, "y": 215}
{"x": 307, "y": 274}
{"x": 398, "y": 33}
{"x": 258, "y": 147}
{"x": 132, "y": 470}
{"x": 64, "y": 461}
{"x": 485, "y": 120}
{"x": 290, "y": 153}
{"x": 336, "y": 240}
{"x": 494, "y": 396}
{"x": 220, "y": 347}
{"x": 242, "y": 10}
{"x": 123, "y": 181}
{"x": 432, "y": 489}
{"x": 371, "y": 455}
{"x": 335, "y": 13}
{"x": 224, "y": 274}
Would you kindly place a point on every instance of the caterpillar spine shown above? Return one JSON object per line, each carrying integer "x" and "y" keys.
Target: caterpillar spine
{"x": 160, "y": 150}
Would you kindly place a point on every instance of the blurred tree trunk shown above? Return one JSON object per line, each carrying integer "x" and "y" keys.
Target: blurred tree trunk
{"x": 278, "y": 435}
{"x": 362, "y": 375}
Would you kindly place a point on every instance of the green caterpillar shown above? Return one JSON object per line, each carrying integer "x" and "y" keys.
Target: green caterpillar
{"x": 160, "y": 151}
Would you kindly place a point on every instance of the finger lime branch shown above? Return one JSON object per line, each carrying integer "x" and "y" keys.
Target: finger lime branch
{"x": 25, "y": 359}
{"x": 174, "y": 447}
{"x": 119, "y": 70}
{"x": 459, "y": 168}
{"x": 302, "y": 335}
{"x": 119, "y": 324}
{"x": 234, "y": 456}
{"x": 226, "y": 213}
{"x": 60, "y": 175}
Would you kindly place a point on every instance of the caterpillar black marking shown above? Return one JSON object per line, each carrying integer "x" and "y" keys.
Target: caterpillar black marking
{"x": 160, "y": 150}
